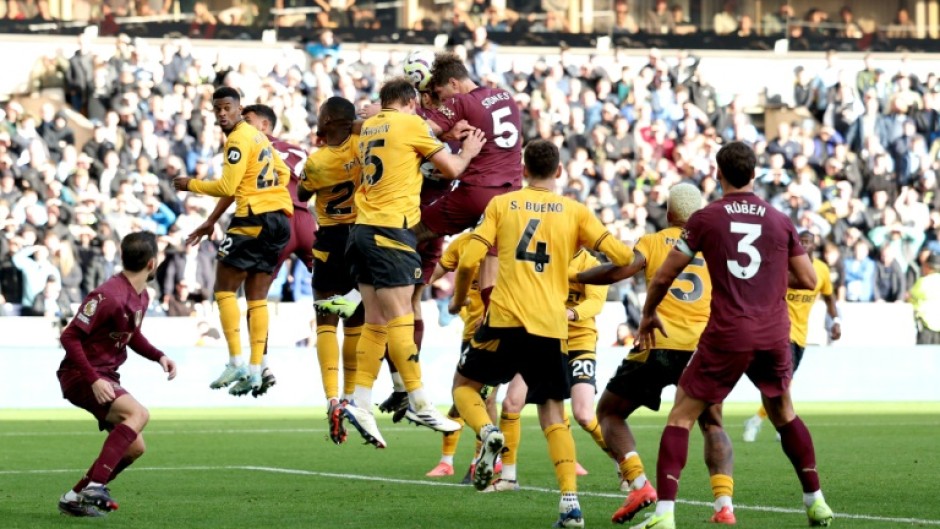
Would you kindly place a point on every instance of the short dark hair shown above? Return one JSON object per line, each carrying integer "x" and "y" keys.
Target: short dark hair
{"x": 398, "y": 90}
{"x": 736, "y": 161}
{"x": 448, "y": 66}
{"x": 263, "y": 111}
{"x": 340, "y": 109}
{"x": 226, "y": 91}
{"x": 541, "y": 158}
{"x": 137, "y": 249}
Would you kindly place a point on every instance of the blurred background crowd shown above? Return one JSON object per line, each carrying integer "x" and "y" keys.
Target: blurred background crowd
{"x": 854, "y": 160}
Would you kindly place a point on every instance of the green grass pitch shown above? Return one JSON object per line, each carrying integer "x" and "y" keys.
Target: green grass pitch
{"x": 258, "y": 467}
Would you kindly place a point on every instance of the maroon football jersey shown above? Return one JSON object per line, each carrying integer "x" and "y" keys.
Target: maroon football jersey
{"x": 107, "y": 321}
{"x": 493, "y": 111}
{"x": 747, "y": 245}
{"x": 294, "y": 157}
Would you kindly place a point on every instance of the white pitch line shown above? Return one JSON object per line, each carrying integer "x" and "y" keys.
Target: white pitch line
{"x": 360, "y": 477}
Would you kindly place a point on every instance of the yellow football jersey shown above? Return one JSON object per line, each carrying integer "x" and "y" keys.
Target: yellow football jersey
{"x": 253, "y": 173}
{"x": 538, "y": 233}
{"x": 800, "y": 303}
{"x": 334, "y": 174}
{"x": 472, "y": 313}
{"x": 586, "y": 301}
{"x": 392, "y": 147}
{"x": 685, "y": 309}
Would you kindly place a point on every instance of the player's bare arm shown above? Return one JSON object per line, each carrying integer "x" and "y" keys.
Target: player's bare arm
{"x": 452, "y": 166}
{"x": 208, "y": 227}
{"x": 438, "y": 273}
{"x": 608, "y": 274}
{"x": 674, "y": 264}
{"x": 802, "y": 273}
{"x": 591, "y": 306}
{"x": 470, "y": 259}
{"x": 835, "y": 332}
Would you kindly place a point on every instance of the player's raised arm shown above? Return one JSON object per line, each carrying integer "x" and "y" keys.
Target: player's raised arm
{"x": 470, "y": 258}
{"x": 233, "y": 170}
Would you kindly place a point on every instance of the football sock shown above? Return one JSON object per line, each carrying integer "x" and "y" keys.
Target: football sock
{"x": 798, "y": 446}
{"x": 350, "y": 342}
{"x": 362, "y": 397}
{"x": 449, "y": 446}
{"x": 722, "y": 490}
{"x": 762, "y": 413}
{"x": 328, "y": 357}
{"x": 257, "y": 329}
{"x": 594, "y": 428}
{"x": 369, "y": 353}
{"x": 471, "y": 407}
{"x": 631, "y": 468}
{"x": 397, "y": 384}
{"x": 70, "y": 495}
{"x": 810, "y": 497}
{"x": 673, "y": 453}
{"x": 564, "y": 416}
{"x": 448, "y": 459}
{"x": 82, "y": 483}
{"x": 230, "y": 318}
{"x": 115, "y": 446}
{"x": 562, "y": 453}
{"x": 403, "y": 351}
{"x": 568, "y": 502}
{"x": 419, "y": 333}
{"x": 511, "y": 427}
{"x": 123, "y": 464}
{"x": 665, "y": 507}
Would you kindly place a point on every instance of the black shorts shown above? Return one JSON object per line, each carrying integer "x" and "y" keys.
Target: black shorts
{"x": 582, "y": 366}
{"x": 496, "y": 355}
{"x": 383, "y": 257}
{"x": 254, "y": 243}
{"x": 797, "y": 351}
{"x": 330, "y": 271}
{"x": 642, "y": 376}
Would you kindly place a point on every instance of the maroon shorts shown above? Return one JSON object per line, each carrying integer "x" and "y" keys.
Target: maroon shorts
{"x": 460, "y": 209}
{"x": 79, "y": 393}
{"x": 302, "y": 228}
{"x": 712, "y": 373}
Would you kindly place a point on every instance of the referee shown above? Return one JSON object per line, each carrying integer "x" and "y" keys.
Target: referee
{"x": 925, "y": 296}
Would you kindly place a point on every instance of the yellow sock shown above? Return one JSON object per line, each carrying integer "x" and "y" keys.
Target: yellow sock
{"x": 564, "y": 416}
{"x": 449, "y": 447}
{"x": 328, "y": 357}
{"x": 561, "y": 451}
{"x": 762, "y": 413}
{"x": 403, "y": 351}
{"x": 722, "y": 485}
{"x": 257, "y": 329}
{"x": 471, "y": 407}
{"x": 369, "y": 353}
{"x": 631, "y": 468}
{"x": 350, "y": 342}
{"x": 511, "y": 427}
{"x": 594, "y": 428}
{"x": 230, "y": 318}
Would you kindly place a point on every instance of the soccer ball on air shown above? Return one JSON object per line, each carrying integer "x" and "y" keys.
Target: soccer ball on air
{"x": 418, "y": 68}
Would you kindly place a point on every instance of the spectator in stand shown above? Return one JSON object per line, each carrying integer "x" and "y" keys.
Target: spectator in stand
{"x": 925, "y": 296}
{"x": 623, "y": 20}
{"x": 890, "y": 277}
{"x": 850, "y": 28}
{"x": 681, "y": 24}
{"x": 776, "y": 23}
{"x": 860, "y": 271}
{"x": 659, "y": 19}
{"x": 725, "y": 21}
{"x": 33, "y": 262}
{"x": 902, "y": 27}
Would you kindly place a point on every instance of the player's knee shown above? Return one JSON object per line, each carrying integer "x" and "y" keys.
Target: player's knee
{"x": 139, "y": 418}
{"x": 512, "y": 405}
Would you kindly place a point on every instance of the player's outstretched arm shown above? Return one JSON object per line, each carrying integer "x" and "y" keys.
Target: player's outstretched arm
{"x": 471, "y": 256}
{"x": 608, "y": 274}
{"x": 593, "y": 303}
{"x": 452, "y": 166}
{"x": 206, "y": 228}
{"x": 438, "y": 273}
{"x": 802, "y": 273}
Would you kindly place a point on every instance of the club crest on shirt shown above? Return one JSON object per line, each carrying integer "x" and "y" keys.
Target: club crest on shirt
{"x": 90, "y": 308}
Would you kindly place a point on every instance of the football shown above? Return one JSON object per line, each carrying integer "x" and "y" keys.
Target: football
{"x": 418, "y": 68}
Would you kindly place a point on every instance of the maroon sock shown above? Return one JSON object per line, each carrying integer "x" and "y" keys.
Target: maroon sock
{"x": 115, "y": 446}
{"x": 82, "y": 483}
{"x": 125, "y": 462}
{"x": 419, "y": 333}
{"x": 797, "y": 444}
{"x": 673, "y": 453}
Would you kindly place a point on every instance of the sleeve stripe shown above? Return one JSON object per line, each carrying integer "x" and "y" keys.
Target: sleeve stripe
{"x": 683, "y": 247}
{"x": 481, "y": 239}
{"x": 597, "y": 244}
{"x": 439, "y": 149}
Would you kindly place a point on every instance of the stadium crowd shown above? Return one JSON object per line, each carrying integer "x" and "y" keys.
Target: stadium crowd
{"x": 859, "y": 171}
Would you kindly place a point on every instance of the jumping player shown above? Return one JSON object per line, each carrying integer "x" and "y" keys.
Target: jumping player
{"x": 95, "y": 344}
{"x": 257, "y": 177}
